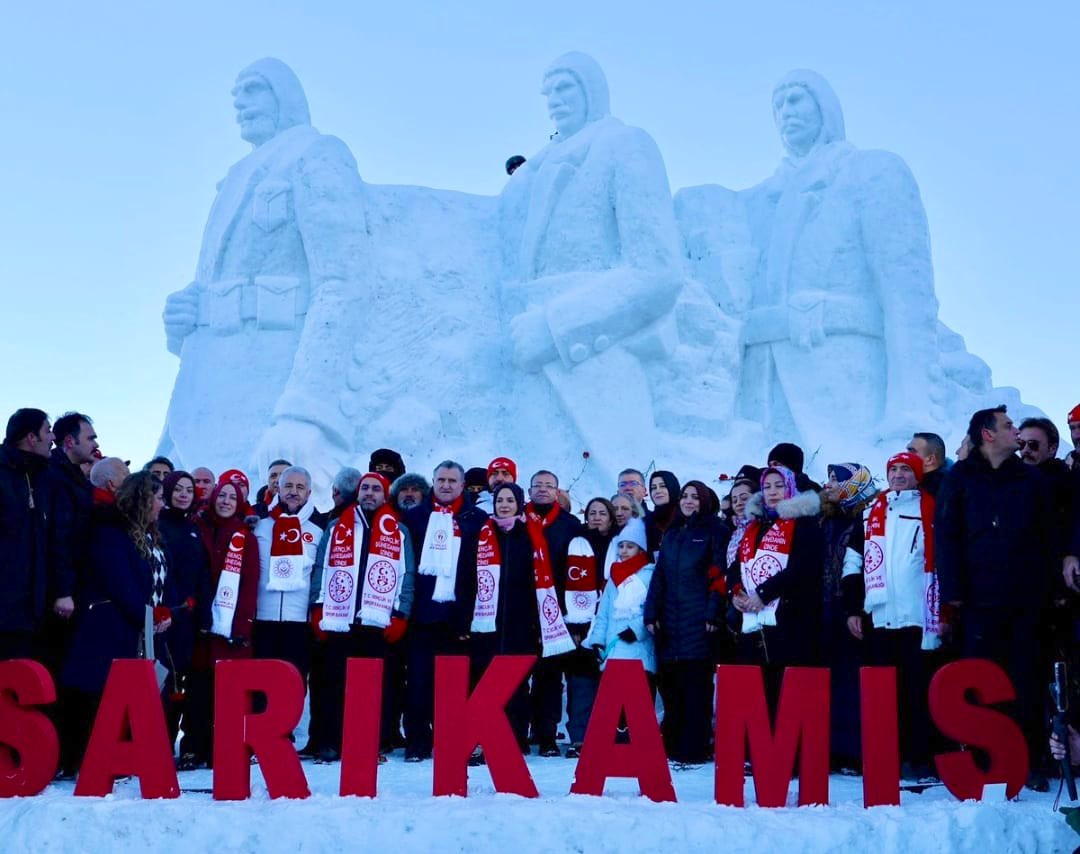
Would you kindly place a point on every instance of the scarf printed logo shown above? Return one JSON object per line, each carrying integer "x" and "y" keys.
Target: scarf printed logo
{"x": 551, "y": 609}
{"x": 225, "y": 593}
{"x": 340, "y": 586}
{"x": 764, "y": 568}
{"x": 282, "y": 567}
{"x": 874, "y": 557}
{"x": 236, "y": 542}
{"x": 309, "y": 538}
{"x": 933, "y": 601}
{"x": 485, "y": 585}
{"x": 439, "y": 541}
{"x": 582, "y": 600}
{"x": 382, "y": 576}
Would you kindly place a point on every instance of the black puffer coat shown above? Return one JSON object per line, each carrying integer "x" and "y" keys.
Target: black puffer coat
{"x": 71, "y": 500}
{"x": 678, "y": 597}
{"x": 23, "y": 560}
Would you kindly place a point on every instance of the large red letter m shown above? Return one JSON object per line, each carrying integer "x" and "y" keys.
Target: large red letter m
{"x": 802, "y": 727}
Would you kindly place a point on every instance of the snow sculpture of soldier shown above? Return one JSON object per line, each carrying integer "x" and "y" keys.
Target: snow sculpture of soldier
{"x": 263, "y": 331}
{"x": 593, "y": 271}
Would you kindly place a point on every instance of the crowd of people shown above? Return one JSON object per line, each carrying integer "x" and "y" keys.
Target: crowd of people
{"x": 936, "y": 560}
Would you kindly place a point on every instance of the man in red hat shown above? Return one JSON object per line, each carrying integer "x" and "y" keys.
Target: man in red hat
{"x": 1073, "y": 457}
{"x": 499, "y": 470}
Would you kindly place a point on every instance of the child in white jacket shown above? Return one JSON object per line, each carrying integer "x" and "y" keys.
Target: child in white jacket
{"x": 618, "y": 630}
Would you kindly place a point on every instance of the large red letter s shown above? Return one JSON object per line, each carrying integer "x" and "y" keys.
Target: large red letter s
{"x": 24, "y": 732}
{"x": 988, "y": 729}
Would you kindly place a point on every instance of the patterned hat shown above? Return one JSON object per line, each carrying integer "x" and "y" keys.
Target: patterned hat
{"x": 856, "y": 484}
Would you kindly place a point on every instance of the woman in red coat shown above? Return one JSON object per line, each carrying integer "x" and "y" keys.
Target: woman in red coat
{"x": 226, "y": 629}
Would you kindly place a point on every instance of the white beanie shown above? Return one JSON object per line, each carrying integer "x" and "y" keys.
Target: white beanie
{"x": 634, "y": 532}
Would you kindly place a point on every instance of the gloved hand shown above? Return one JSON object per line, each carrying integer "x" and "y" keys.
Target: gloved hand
{"x": 396, "y": 630}
{"x": 627, "y": 635}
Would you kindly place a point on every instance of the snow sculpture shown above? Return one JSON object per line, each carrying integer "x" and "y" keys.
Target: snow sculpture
{"x": 594, "y": 285}
{"x": 263, "y": 332}
{"x": 827, "y": 264}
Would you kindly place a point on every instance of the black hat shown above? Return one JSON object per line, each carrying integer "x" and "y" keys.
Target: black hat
{"x": 476, "y": 476}
{"x": 749, "y": 474}
{"x": 387, "y": 457}
{"x": 788, "y": 455}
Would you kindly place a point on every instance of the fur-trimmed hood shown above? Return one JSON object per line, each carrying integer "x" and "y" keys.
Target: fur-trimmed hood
{"x": 799, "y": 506}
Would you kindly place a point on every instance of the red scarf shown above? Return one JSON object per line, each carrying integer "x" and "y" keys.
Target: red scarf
{"x": 625, "y": 568}
{"x": 553, "y": 634}
{"x": 758, "y": 562}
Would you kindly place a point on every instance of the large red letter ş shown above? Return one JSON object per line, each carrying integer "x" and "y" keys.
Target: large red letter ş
{"x": 991, "y": 730}
{"x": 624, "y": 688}
{"x": 462, "y": 722}
{"x": 129, "y": 736}
{"x": 802, "y": 724}
{"x": 239, "y": 733}
{"x": 24, "y": 733}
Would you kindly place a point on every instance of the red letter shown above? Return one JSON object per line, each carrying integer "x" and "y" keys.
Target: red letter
{"x": 993, "y": 731}
{"x": 129, "y": 735}
{"x": 360, "y": 739}
{"x": 238, "y": 733}
{"x": 23, "y": 732}
{"x": 802, "y": 723}
{"x": 623, "y": 687}
{"x": 880, "y": 737}
{"x": 462, "y": 722}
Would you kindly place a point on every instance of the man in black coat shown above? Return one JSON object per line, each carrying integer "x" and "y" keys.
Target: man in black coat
{"x": 24, "y": 503}
{"x": 994, "y": 542}
{"x": 930, "y": 447}
{"x": 440, "y": 622}
{"x": 582, "y": 674}
{"x": 71, "y": 496}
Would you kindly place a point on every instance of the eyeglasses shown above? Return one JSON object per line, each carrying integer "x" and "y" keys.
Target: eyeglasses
{"x": 625, "y": 483}
{"x": 1034, "y": 444}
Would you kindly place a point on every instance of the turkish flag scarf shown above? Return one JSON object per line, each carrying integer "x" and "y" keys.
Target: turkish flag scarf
{"x": 553, "y": 633}
{"x": 227, "y": 593}
{"x": 380, "y": 587}
{"x": 582, "y": 590}
{"x": 286, "y": 567}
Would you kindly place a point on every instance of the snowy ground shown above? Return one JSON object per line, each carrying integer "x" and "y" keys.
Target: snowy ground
{"x": 405, "y": 818}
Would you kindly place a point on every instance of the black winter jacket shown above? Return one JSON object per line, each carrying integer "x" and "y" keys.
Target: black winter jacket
{"x": 189, "y": 566}
{"x": 678, "y": 598}
{"x": 71, "y": 498}
{"x": 458, "y": 614}
{"x": 994, "y": 535}
{"x": 517, "y": 624}
{"x": 24, "y": 504}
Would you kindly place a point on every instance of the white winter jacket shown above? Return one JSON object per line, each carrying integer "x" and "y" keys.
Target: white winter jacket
{"x": 292, "y": 606}
{"x": 905, "y": 577}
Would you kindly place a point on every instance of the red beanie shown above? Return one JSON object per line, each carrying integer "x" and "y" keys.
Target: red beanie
{"x": 503, "y": 463}
{"x": 381, "y": 479}
{"x": 1074, "y": 414}
{"x": 236, "y": 477}
{"x": 913, "y": 461}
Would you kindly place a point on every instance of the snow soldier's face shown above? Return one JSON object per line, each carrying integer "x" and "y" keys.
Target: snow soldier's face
{"x": 568, "y": 105}
{"x": 256, "y": 109}
{"x": 798, "y": 118}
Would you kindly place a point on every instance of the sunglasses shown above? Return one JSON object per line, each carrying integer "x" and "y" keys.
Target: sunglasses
{"x": 1034, "y": 444}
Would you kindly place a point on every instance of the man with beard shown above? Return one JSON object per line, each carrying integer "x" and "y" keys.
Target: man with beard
{"x": 365, "y": 583}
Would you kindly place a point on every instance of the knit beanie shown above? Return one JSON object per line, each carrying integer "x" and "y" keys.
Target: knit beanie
{"x": 633, "y": 532}
{"x": 788, "y": 455}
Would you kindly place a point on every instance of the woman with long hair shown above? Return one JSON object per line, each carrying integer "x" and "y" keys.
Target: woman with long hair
{"x": 692, "y": 555}
{"x": 234, "y": 589}
{"x": 189, "y": 563}
{"x": 125, "y": 573}
{"x": 664, "y": 491}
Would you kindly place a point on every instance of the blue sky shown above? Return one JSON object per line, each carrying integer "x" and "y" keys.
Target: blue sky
{"x": 118, "y": 124}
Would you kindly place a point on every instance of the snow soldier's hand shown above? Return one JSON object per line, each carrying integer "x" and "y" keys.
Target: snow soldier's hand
{"x": 534, "y": 346}
{"x": 306, "y": 445}
{"x": 180, "y": 316}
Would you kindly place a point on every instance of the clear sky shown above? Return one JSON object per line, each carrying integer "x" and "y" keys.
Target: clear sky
{"x": 118, "y": 123}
